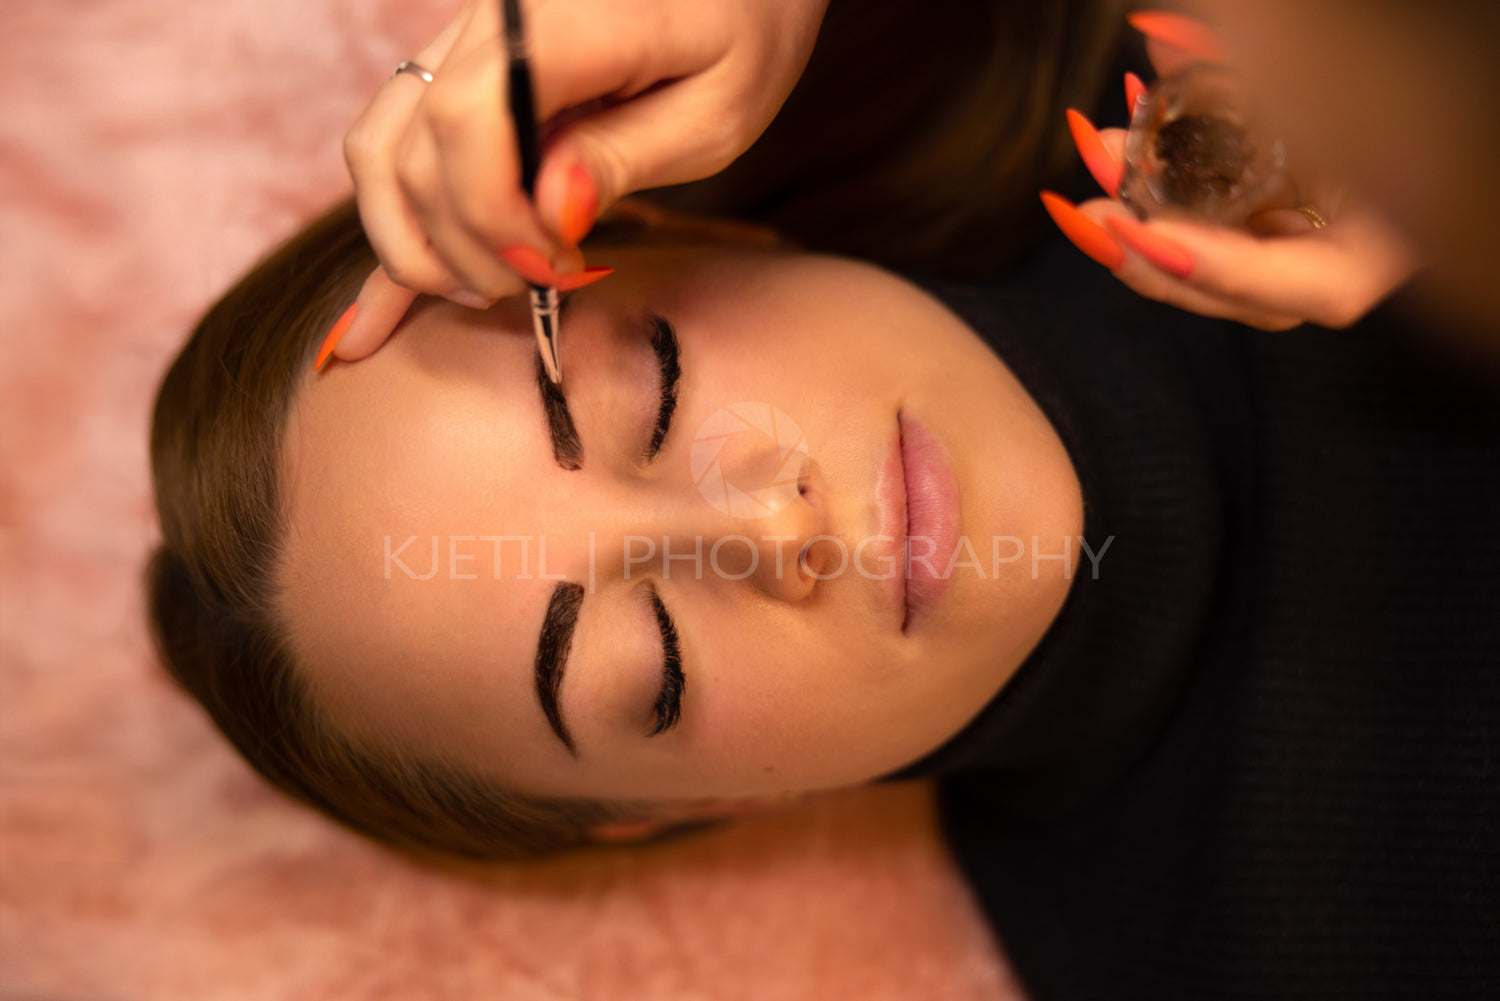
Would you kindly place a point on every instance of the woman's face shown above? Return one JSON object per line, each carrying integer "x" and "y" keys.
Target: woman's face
{"x": 824, "y": 411}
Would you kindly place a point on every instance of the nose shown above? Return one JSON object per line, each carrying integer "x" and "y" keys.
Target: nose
{"x": 753, "y": 521}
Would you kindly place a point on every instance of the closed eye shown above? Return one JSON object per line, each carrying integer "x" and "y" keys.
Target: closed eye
{"x": 668, "y": 361}
{"x": 567, "y": 446}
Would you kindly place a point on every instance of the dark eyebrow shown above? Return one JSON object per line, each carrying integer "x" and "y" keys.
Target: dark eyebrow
{"x": 567, "y": 447}
{"x": 552, "y": 653}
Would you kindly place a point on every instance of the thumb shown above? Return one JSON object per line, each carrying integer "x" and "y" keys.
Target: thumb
{"x": 659, "y": 138}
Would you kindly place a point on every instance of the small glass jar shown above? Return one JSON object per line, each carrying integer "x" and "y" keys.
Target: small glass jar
{"x": 1194, "y": 149}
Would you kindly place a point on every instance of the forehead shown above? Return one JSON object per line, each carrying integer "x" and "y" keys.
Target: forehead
{"x": 392, "y": 465}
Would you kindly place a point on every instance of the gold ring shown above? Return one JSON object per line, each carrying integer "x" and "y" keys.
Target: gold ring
{"x": 1312, "y": 216}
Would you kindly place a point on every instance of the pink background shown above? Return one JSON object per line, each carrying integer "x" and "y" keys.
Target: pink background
{"x": 149, "y": 152}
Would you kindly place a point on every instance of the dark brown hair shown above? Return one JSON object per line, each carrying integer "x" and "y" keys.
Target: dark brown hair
{"x": 950, "y": 144}
{"x": 920, "y": 134}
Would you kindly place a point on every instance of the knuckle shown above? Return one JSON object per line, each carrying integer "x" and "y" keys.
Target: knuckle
{"x": 402, "y": 273}
{"x": 359, "y": 146}
{"x": 611, "y": 165}
{"x": 447, "y": 109}
{"x": 418, "y": 275}
{"x": 415, "y": 179}
{"x": 411, "y": 181}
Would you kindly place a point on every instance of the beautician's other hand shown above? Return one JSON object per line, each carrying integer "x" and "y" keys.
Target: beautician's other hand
{"x": 636, "y": 93}
{"x": 1277, "y": 272}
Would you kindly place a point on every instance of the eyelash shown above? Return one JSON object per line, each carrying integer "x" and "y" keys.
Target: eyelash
{"x": 664, "y": 343}
{"x": 669, "y": 699}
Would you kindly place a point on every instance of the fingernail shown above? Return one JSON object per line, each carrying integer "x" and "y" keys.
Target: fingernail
{"x": 580, "y": 206}
{"x": 1192, "y": 37}
{"x": 1086, "y": 234}
{"x": 530, "y": 264}
{"x": 1096, "y": 156}
{"x": 1166, "y": 254}
{"x": 471, "y": 300}
{"x": 1135, "y": 89}
{"x": 335, "y": 334}
{"x": 587, "y": 276}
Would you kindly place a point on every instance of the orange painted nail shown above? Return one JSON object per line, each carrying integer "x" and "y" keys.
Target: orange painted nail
{"x": 335, "y": 334}
{"x": 1086, "y": 234}
{"x": 587, "y": 276}
{"x": 1184, "y": 33}
{"x": 580, "y": 206}
{"x": 1166, "y": 254}
{"x": 1135, "y": 89}
{"x": 530, "y": 264}
{"x": 1096, "y": 156}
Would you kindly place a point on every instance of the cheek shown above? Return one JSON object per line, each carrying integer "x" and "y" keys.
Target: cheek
{"x": 789, "y": 681}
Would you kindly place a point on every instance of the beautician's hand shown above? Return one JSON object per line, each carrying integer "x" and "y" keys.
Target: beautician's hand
{"x": 1277, "y": 272}
{"x": 636, "y": 93}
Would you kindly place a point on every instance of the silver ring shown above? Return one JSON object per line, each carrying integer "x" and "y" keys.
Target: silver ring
{"x": 407, "y": 66}
{"x": 1311, "y": 215}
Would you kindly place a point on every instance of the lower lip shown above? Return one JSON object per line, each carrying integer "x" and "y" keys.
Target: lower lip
{"x": 931, "y": 521}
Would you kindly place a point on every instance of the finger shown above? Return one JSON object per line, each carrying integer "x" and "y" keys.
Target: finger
{"x": 464, "y": 186}
{"x": 1175, "y": 41}
{"x": 1158, "y": 277}
{"x": 1103, "y": 163}
{"x": 1084, "y": 230}
{"x": 666, "y": 137}
{"x": 1135, "y": 92}
{"x": 1280, "y": 222}
{"x": 1082, "y": 225}
{"x": 378, "y": 128}
{"x": 1331, "y": 276}
{"x": 370, "y": 148}
{"x": 578, "y": 56}
{"x": 435, "y": 53}
{"x": 615, "y": 134}
{"x": 580, "y": 60}
{"x": 396, "y": 228}
{"x": 380, "y": 307}
{"x": 479, "y": 214}
{"x": 1150, "y": 283}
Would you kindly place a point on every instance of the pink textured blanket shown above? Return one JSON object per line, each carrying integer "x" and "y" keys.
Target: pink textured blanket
{"x": 149, "y": 151}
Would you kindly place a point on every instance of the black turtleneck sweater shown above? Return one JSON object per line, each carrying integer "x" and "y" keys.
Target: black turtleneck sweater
{"x": 1259, "y": 755}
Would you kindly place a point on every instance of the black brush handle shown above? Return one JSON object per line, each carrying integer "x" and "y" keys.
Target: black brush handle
{"x": 522, "y": 102}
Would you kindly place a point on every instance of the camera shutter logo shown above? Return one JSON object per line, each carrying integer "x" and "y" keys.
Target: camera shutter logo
{"x": 748, "y": 500}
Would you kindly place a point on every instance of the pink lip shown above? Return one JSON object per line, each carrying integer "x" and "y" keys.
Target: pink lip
{"x": 890, "y": 494}
{"x": 918, "y": 498}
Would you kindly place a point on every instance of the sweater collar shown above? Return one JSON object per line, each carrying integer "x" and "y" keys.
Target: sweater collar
{"x": 1154, "y": 414}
